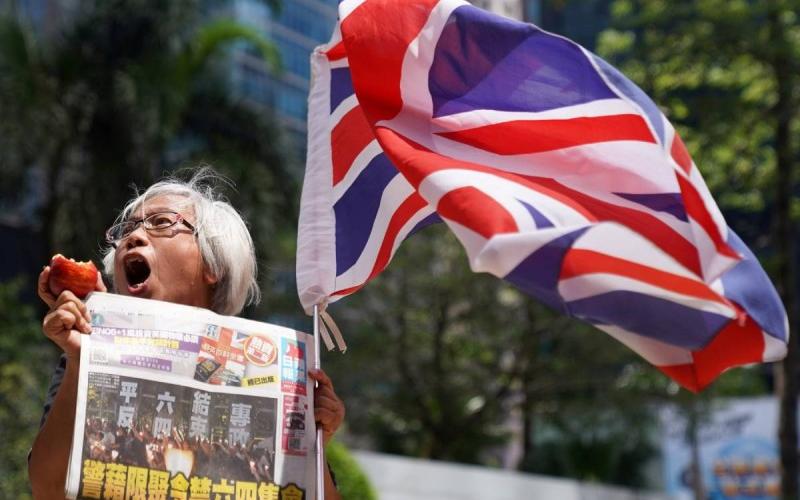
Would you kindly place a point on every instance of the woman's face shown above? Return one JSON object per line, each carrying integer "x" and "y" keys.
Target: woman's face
{"x": 164, "y": 264}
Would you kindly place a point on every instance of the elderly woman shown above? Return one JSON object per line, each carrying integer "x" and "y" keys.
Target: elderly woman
{"x": 176, "y": 242}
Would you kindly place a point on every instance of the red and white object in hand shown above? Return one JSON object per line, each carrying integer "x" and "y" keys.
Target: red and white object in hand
{"x": 79, "y": 278}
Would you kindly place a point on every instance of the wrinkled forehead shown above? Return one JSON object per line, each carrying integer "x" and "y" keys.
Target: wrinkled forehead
{"x": 151, "y": 204}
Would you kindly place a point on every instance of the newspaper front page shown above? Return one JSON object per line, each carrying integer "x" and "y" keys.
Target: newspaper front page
{"x": 179, "y": 402}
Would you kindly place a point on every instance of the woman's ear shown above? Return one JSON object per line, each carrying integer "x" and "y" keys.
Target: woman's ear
{"x": 209, "y": 278}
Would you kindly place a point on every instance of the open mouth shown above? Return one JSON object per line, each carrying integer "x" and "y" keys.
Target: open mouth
{"x": 137, "y": 270}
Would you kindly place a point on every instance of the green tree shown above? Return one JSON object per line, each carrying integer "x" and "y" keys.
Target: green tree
{"x": 451, "y": 355}
{"x": 25, "y": 362}
{"x": 439, "y": 355}
{"x": 103, "y": 104}
{"x": 126, "y": 91}
{"x": 351, "y": 481}
{"x": 727, "y": 74}
{"x": 583, "y": 417}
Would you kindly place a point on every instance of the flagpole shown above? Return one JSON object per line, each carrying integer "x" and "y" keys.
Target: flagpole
{"x": 320, "y": 449}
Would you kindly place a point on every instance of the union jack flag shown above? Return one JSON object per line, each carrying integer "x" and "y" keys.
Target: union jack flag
{"x": 555, "y": 172}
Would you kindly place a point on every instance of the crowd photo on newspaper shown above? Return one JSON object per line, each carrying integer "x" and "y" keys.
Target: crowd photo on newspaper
{"x": 154, "y": 398}
{"x": 196, "y": 432}
{"x": 108, "y": 443}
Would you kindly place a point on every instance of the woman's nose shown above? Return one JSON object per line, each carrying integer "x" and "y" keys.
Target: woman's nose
{"x": 137, "y": 238}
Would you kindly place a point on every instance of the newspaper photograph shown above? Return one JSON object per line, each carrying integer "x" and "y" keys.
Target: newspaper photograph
{"x": 178, "y": 402}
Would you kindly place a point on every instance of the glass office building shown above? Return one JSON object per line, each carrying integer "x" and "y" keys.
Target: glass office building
{"x": 578, "y": 20}
{"x": 296, "y": 28}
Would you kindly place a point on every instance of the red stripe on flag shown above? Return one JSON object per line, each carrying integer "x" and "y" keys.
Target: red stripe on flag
{"x": 661, "y": 234}
{"x": 348, "y": 138}
{"x": 535, "y": 136}
{"x": 376, "y": 68}
{"x": 696, "y": 209}
{"x": 336, "y": 52}
{"x": 347, "y": 291}
{"x": 734, "y": 345}
{"x": 578, "y": 262}
{"x": 410, "y": 206}
{"x": 684, "y": 375}
{"x": 416, "y": 162}
{"x": 680, "y": 154}
{"x": 476, "y": 210}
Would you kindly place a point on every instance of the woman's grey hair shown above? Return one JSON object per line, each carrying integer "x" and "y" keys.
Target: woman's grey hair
{"x": 225, "y": 243}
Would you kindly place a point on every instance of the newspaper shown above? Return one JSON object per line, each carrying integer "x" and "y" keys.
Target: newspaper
{"x": 179, "y": 402}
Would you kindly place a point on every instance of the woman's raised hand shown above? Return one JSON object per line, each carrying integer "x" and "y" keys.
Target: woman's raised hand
{"x": 68, "y": 316}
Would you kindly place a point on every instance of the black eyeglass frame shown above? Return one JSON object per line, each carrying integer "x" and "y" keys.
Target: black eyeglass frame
{"x": 133, "y": 224}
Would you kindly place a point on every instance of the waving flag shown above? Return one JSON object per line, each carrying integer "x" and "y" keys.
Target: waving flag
{"x": 554, "y": 171}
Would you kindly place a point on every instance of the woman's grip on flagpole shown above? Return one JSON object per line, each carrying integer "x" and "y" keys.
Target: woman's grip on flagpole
{"x": 329, "y": 410}
{"x": 329, "y": 414}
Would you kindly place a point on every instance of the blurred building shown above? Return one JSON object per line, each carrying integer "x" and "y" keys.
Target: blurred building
{"x": 300, "y": 25}
{"x": 45, "y": 16}
{"x": 296, "y": 28}
{"x": 578, "y": 20}
{"x": 509, "y": 8}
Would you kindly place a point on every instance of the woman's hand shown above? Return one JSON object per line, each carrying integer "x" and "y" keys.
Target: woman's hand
{"x": 328, "y": 408}
{"x": 43, "y": 287}
{"x": 68, "y": 316}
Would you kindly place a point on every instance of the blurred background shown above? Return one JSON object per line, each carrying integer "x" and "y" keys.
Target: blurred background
{"x": 452, "y": 380}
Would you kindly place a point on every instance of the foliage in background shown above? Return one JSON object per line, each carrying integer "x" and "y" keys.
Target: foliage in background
{"x": 727, "y": 73}
{"x": 26, "y": 362}
{"x": 447, "y": 364}
{"x": 461, "y": 353}
{"x": 125, "y": 92}
{"x": 121, "y": 95}
{"x": 442, "y": 362}
{"x": 598, "y": 446}
{"x": 706, "y": 65}
{"x": 350, "y": 479}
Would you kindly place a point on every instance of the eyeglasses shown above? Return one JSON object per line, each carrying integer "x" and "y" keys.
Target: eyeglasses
{"x": 152, "y": 223}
